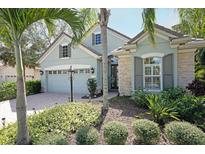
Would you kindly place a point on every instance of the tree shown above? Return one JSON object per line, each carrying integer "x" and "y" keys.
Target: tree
{"x": 13, "y": 23}
{"x": 148, "y": 16}
{"x": 103, "y": 20}
{"x": 192, "y": 22}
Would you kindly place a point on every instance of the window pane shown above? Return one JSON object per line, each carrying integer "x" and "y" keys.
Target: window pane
{"x": 146, "y": 61}
{"x": 147, "y": 70}
{"x": 98, "y": 39}
{"x": 156, "y": 83}
{"x": 148, "y": 82}
{"x": 156, "y": 70}
{"x": 155, "y": 60}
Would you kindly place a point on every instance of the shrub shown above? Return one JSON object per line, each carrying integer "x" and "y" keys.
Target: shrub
{"x": 139, "y": 97}
{"x": 191, "y": 108}
{"x": 52, "y": 139}
{"x": 87, "y": 136}
{"x": 184, "y": 133}
{"x": 197, "y": 87}
{"x": 173, "y": 93}
{"x": 61, "y": 119}
{"x": 160, "y": 110}
{"x": 115, "y": 133}
{"x": 146, "y": 131}
{"x": 8, "y": 89}
{"x": 92, "y": 85}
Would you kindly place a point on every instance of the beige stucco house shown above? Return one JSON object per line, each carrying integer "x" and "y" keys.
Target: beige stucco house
{"x": 167, "y": 63}
{"x": 8, "y": 73}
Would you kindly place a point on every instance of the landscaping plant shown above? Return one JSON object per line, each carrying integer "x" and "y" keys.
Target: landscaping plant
{"x": 61, "y": 119}
{"x": 115, "y": 133}
{"x": 139, "y": 96}
{"x": 197, "y": 87}
{"x": 184, "y": 133}
{"x": 173, "y": 93}
{"x": 87, "y": 136}
{"x": 146, "y": 131}
{"x": 160, "y": 111}
{"x": 52, "y": 139}
{"x": 92, "y": 85}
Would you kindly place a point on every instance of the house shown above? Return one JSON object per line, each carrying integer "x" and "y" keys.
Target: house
{"x": 8, "y": 73}
{"x": 133, "y": 63}
{"x": 154, "y": 67}
{"x": 85, "y": 59}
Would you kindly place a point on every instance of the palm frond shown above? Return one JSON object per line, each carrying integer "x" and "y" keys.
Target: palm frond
{"x": 148, "y": 16}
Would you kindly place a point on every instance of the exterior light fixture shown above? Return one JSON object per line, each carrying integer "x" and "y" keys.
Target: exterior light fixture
{"x": 92, "y": 70}
{"x": 41, "y": 72}
{"x": 3, "y": 121}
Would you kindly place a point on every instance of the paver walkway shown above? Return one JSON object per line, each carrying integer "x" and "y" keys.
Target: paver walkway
{"x": 39, "y": 102}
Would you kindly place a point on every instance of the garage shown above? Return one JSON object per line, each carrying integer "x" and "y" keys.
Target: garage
{"x": 58, "y": 79}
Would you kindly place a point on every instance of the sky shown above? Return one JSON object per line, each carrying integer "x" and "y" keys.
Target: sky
{"x": 129, "y": 21}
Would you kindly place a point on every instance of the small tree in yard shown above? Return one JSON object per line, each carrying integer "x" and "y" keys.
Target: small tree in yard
{"x": 92, "y": 86}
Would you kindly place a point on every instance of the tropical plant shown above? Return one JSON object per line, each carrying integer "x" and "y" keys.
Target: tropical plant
{"x": 184, "y": 133}
{"x": 92, "y": 85}
{"x": 115, "y": 133}
{"x": 13, "y": 23}
{"x": 139, "y": 97}
{"x": 197, "y": 87}
{"x": 87, "y": 136}
{"x": 146, "y": 131}
{"x": 160, "y": 111}
{"x": 191, "y": 108}
{"x": 172, "y": 94}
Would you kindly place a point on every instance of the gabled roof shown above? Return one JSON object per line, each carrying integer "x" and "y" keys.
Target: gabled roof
{"x": 123, "y": 35}
{"x": 63, "y": 33}
{"x": 159, "y": 27}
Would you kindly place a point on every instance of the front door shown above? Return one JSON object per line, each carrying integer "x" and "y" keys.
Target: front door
{"x": 114, "y": 79}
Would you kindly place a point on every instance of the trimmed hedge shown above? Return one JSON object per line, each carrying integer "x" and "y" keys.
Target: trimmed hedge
{"x": 115, "y": 133}
{"x": 8, "y": 89}
{"x": 146, "y": 131}
{"x": 184, "y": 133}
{"x": 62, "y": 119}
{"x": 87, "y": 136}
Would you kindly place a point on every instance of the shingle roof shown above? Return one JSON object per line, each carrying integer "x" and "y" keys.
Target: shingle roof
{"x": 179, "y": 35}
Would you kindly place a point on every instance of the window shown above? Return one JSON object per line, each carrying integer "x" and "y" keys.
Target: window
{"x": 81, "y": 71}
{"x": 49, "y": 72}
{"x": 152, "y": 73}
{"x": 96, "y": 38}
{"x": 64, "y": 51}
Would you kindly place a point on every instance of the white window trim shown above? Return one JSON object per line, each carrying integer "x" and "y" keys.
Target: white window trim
{"x": 161, "y": 75}
{"x": 155, "y": 54}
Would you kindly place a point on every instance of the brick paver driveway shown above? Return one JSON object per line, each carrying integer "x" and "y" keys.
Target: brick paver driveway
{"x": 39, "y": 102}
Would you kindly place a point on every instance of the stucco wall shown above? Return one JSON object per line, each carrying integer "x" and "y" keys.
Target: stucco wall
{"x": 124, "y": 75}
{"x": 114, "y": 41}
{"x": 185, "y": 67}
{"x": 78, "y": 56}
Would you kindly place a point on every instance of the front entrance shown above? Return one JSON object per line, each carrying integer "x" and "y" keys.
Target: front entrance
{"x": 114, "y": 79}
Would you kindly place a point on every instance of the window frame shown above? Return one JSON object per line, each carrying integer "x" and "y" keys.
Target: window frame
{"x": 95, "y": 41}
{"x": 152, "y": 74}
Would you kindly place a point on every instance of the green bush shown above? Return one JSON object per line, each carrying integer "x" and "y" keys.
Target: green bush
{"x": 160, "y": 110}
{"x": 139, "y": 97}
{"x": 87, "y": 136}
{"x": 191, "y": 108}
{"x": 146, "y": 131}
{"x": 173, "y": 93}
{"x": 92, "y": 85}
{"x": 8, "y": 89}
{"x": 115, "y": 133}
{"x": 184, "y": 133}
{"x": 52, "y": 139}
{"x": 61, "y": 119}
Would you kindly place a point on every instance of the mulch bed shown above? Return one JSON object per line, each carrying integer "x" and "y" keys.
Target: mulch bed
{"x": 123, "y": 110}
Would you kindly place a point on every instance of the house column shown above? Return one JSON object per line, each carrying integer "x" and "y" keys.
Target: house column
{"x": 124, "y": 75}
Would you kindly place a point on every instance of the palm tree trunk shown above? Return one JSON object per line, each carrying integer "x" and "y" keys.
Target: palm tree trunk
{"x": 22, "y": 129}
{"x": 103, "y": 18}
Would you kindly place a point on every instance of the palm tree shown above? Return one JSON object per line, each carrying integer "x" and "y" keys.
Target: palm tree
{"x": 13, "y": 23}
{"x": 148, "y": 16}
{"x": 103, "y": 20}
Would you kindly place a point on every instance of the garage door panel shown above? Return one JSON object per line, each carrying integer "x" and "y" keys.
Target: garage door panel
{"x": 60, "y": 83}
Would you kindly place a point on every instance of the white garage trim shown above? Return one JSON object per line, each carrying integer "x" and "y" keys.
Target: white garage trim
{"x": 67, "y": 67}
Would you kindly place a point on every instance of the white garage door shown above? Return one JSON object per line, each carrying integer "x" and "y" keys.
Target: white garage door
{"x": 59, "y": 82}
